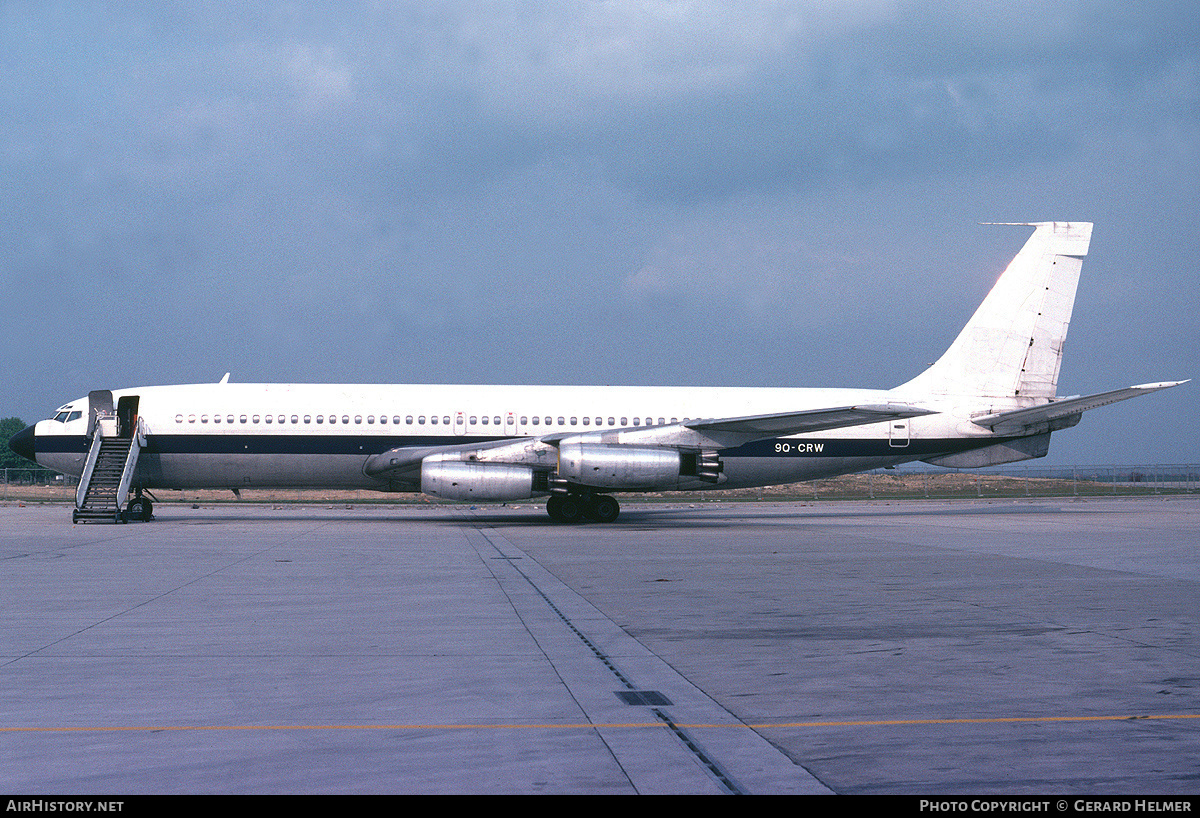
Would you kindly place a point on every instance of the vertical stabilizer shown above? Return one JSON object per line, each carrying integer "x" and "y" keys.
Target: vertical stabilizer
{"x": 1012, "y": 346}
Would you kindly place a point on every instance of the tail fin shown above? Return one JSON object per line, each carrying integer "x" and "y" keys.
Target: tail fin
{"x": 1012, "y": 346}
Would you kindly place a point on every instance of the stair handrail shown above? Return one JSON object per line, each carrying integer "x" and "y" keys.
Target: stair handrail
{"x": 130, "y": 466}
{"x": 85, "y": 479}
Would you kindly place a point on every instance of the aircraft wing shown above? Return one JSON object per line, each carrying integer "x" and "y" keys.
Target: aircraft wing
{"x": 396, "y": 463}
{"x": 1018, "y": 419}
{"x": 813, "y": 420}
{"x": 403, "y": 463}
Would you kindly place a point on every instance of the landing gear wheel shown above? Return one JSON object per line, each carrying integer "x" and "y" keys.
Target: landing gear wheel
{"x": 139, "y": 508}
{"x": 603, "y": 509}
{"x": 564, "y": 508}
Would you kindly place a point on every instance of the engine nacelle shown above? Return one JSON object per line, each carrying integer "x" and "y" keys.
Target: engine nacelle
{"x": 618, "y": 467}
{"x": 460, "y": 480}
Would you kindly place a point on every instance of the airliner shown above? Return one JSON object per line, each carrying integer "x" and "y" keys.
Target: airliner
{"x": 989, "y": 399}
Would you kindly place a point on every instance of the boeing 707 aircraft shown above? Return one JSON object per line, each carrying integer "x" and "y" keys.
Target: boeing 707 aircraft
{"x": 990, "y": 399}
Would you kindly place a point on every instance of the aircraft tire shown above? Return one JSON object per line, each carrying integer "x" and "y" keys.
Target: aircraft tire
{"x": 140, "y": 509}
{"x": 603, "y": 509}
{"x": 564, "y": 508}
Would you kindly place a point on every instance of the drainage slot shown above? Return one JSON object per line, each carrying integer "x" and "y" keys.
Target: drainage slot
{"x": 643, "y": 698}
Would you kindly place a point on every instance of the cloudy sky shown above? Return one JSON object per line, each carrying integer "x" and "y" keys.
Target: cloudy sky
{"x": 731, "y": 193}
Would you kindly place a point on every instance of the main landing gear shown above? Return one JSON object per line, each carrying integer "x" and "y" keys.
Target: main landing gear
{"x": 574, "y": 508}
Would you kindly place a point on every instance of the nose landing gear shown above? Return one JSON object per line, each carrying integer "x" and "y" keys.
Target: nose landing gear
{"x": 139, "y": 508}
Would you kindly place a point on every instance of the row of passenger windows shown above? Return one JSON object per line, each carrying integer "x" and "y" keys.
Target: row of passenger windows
{"x": 418, "y": 420}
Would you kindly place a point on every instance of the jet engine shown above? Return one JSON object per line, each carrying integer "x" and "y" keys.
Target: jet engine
{"x": 631, "y": 467}
{"x": 460, "y": 480}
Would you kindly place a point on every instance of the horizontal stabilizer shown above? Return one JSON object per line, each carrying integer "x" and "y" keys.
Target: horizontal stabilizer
{"x": 1018, "y": 419}
{"x": 814, "y": 420}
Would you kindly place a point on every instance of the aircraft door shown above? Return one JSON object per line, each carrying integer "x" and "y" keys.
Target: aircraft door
{"x": 898, "y": 433}
{"x": 460, "y": 423}
{"x": 99, "y": 403}
{"x": 510, "y": 424}
{"x": 127, "y": 409}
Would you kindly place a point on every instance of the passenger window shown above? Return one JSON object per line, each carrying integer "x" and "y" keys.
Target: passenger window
{"x": 383, "y": 420}
{"x": 216, "y": 418}
{"x": 560, "y": 422}
{"x": 308, "y": 418}
{"x": 179, "y": 418}
{"x": 525, "y": 420}
{"x": 484, "y": 419}
{"x": 370, "y": 420}
{"x": 474, "y": 420}
{"x": 661, "y": 421}
{"x": 358, "y": 418}
{"x": 612, "y": 421}
{"x": 295, "y": 419}
{"x": 204, "y": 418}
{"x": 497, "y": 419}
{"x": 433, "y": 420}
{"x": 256, "y": 418}
{"x": 624, "y": 422}
{"x": 345, "y": 418}
{"x": 320, "y": 418}
{"x": 242, "y": 419}
{"x": 586, "y": 421}
{"x": 637, "y": 421}
{"x": 421, "y": 420}
{"x": 535, "y": 420}
{"x": 407, "y": 419}
{"x": 269, "y": 418}
{"x": 446, "y": 419}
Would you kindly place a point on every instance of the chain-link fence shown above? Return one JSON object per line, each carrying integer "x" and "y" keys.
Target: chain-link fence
{"x": 37, "y": 484}
{"x": 45, "y": 485}
{"x": 1016, "y": 481}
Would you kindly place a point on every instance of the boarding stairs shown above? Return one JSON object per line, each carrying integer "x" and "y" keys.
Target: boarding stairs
{"x": 108, "y": 474}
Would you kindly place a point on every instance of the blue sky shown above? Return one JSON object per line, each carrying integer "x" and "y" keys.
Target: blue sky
{"x": 750, "y": 193}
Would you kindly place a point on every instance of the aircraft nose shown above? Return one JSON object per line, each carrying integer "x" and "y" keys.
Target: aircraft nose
{"x": 22, "y": 444}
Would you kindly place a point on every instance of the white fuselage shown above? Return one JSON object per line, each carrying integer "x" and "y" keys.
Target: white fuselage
{"x": 306, "y": 435}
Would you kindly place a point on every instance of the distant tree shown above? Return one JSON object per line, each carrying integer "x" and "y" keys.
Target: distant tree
{"x": 8, "y": 458}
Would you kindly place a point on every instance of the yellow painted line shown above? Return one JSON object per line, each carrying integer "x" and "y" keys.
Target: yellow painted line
{"x": 1002, "y": 720}
{"x": 592, "y": 725}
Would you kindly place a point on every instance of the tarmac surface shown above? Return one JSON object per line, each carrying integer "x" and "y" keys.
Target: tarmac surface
{"x": 990, "y": 647}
